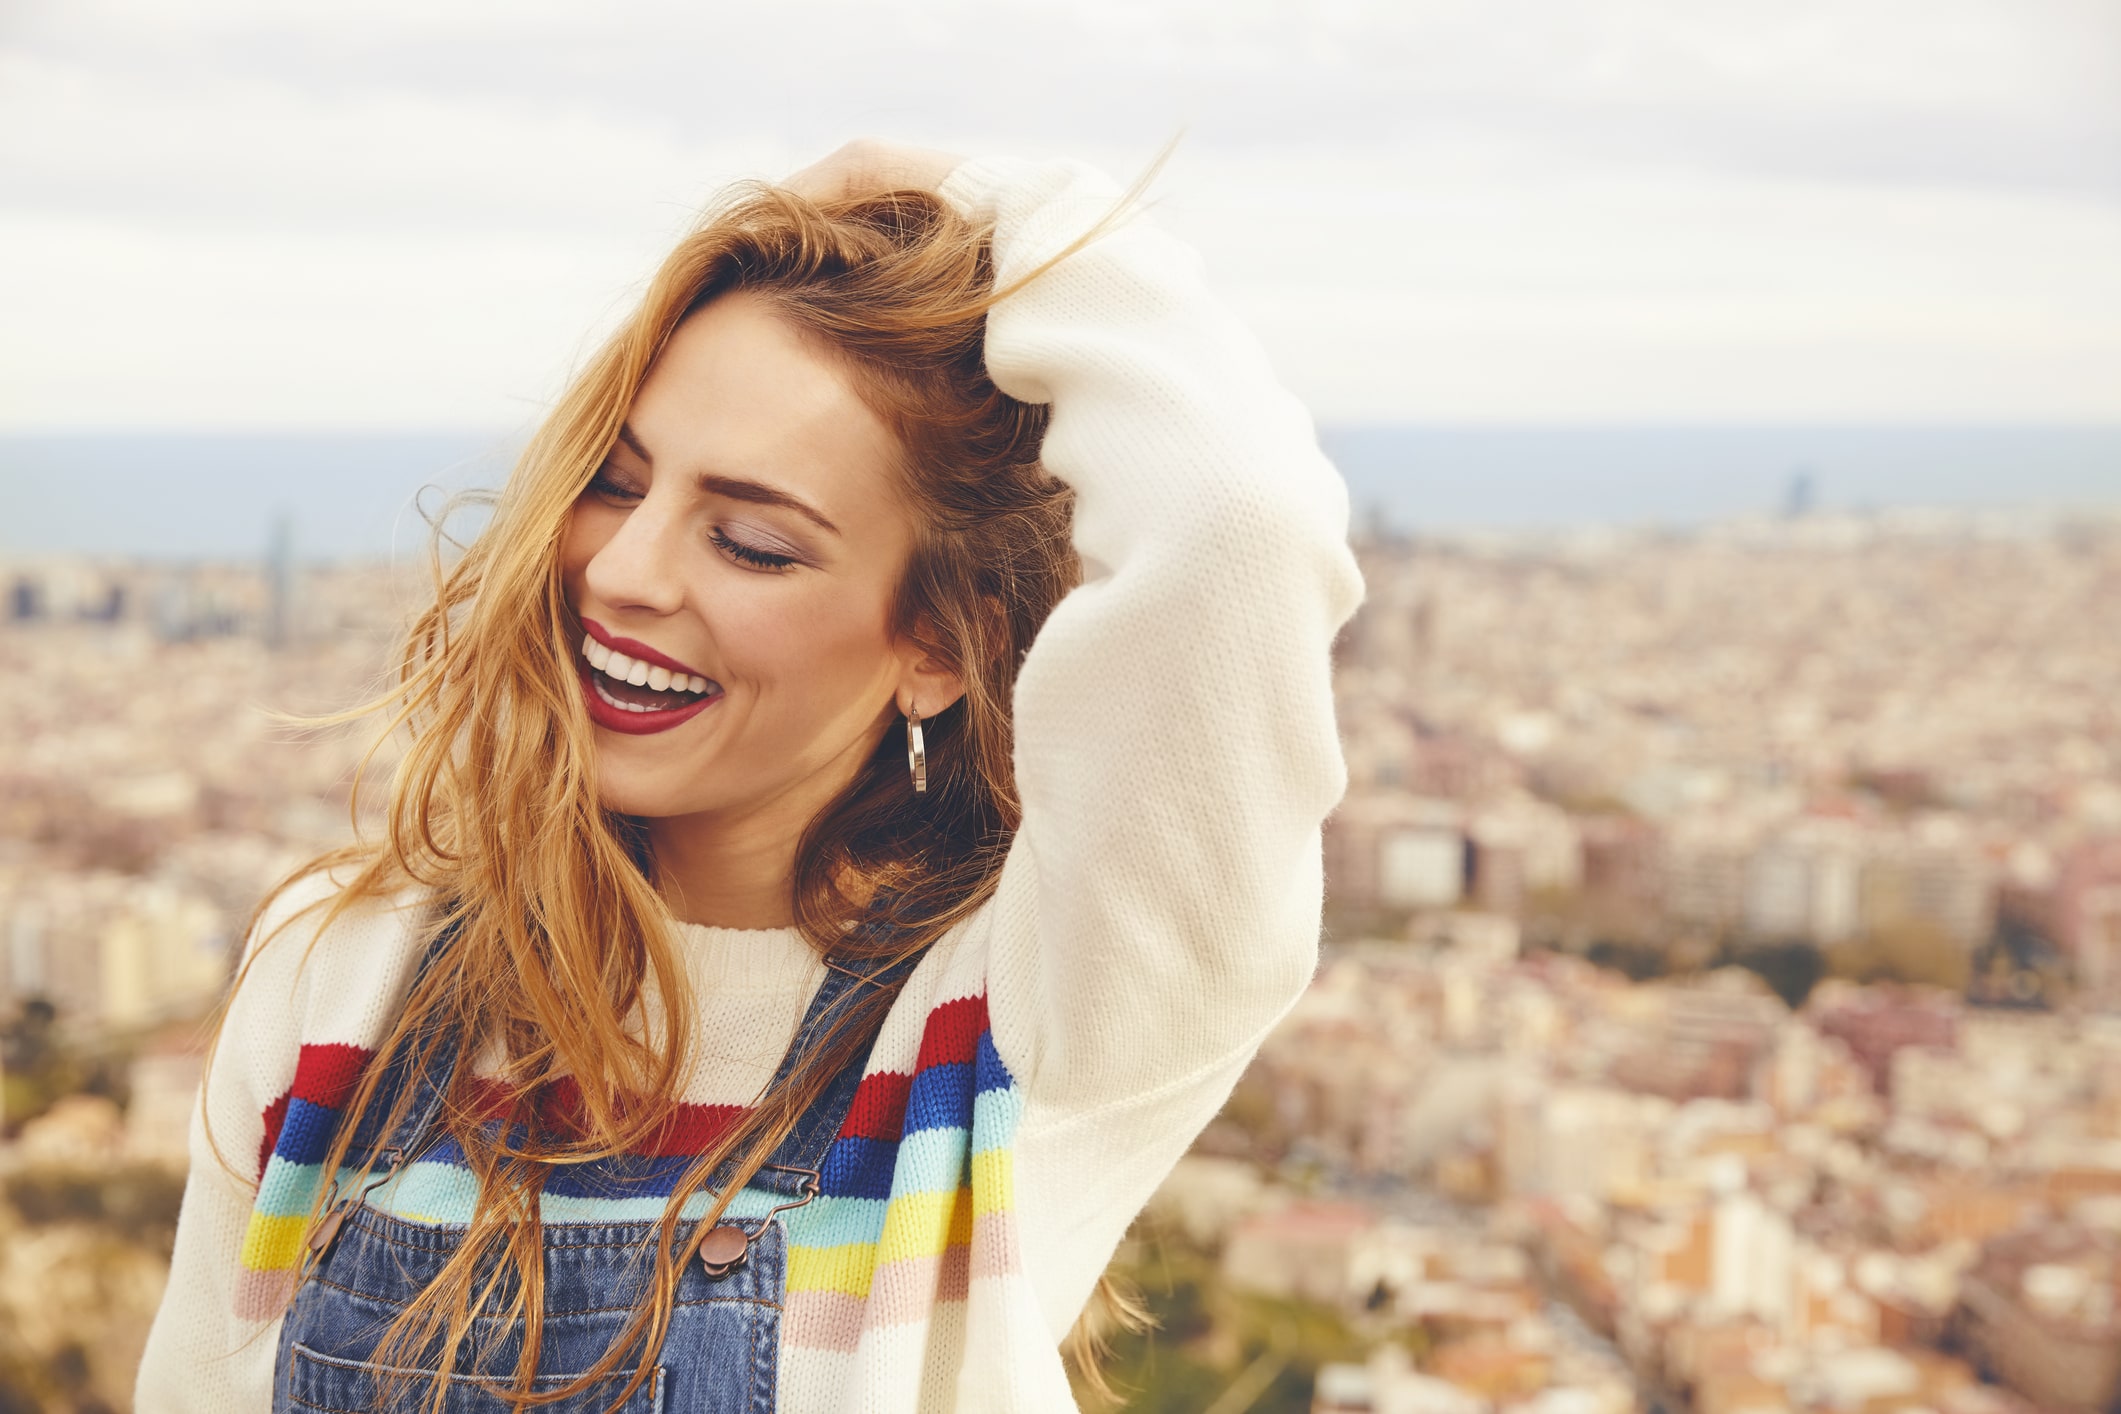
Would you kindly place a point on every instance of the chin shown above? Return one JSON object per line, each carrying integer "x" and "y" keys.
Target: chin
{"x": 638, "y": 793}
{"x": 648, "y": 805}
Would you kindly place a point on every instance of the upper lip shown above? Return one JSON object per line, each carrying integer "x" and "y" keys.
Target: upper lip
{"x": 633, "y": 648}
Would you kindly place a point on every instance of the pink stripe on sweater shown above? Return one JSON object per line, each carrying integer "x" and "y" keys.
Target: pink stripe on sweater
{"x": 824, "y": 1320}
{"x": 906, "y": 1290}
{"x": 995, "y": 1248}
{"x": 260, "y": 1296}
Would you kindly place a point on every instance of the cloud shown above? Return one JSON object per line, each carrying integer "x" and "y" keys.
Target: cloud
{"x": 234, "y": 213}
{"x": 2004, "y": 90}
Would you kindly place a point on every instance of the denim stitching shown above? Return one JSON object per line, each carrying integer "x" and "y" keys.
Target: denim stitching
{"x": 394, "y": 1304}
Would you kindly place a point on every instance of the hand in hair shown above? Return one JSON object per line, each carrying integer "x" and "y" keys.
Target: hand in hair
{"x": 867, "y": 166}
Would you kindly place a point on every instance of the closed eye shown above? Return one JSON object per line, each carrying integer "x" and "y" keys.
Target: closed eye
{"x": 749, "y": 555}
{"x": 609, "y": 488}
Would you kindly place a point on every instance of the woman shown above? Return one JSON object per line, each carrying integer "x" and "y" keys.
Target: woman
{"x": 783, "y": 979}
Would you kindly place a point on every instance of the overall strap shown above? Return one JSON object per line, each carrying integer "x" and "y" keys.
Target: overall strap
{"x": 844, "y": 988}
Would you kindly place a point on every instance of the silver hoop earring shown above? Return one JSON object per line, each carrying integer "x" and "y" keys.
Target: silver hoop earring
{"x": 916, "y": 751}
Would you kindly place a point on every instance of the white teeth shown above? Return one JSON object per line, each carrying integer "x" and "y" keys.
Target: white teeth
{"x": 616, "y": 665}
{"x": 622, "y": 706}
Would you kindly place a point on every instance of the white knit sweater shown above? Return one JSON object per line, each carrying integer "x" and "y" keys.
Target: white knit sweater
{"x": 1157, "y": 912}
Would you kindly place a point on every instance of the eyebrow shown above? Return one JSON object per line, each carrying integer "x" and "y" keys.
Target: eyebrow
{"x": 736, "y": 488}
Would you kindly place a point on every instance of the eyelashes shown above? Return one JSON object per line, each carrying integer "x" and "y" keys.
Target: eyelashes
{"x": 749, "y": 555}
{"x": 608, "y": 489}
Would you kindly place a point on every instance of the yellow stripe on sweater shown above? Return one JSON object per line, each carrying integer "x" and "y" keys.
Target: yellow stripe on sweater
{"x": 924, "y": 1224}
{"x": 845, "y": 1269}
{"x": 993, "y": 1182}
{"x": 273, "y": 1244}
{"x": 916, "y": 1225}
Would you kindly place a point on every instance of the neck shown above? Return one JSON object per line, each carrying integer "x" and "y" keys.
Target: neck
{"x": 722, "y": 877}
{"x": 735, "y": 868}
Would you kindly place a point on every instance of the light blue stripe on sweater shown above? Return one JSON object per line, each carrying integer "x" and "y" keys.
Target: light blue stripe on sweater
{"x": 931, "y": 1161}
{"x": 837, "y": 1222}
{"x": 288, "y": 1189}
{"x": 445, "y": 1193}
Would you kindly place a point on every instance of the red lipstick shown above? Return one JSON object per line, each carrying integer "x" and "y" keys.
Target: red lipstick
{"x": 618, "y": 719}
{"x": 614, "y": 708}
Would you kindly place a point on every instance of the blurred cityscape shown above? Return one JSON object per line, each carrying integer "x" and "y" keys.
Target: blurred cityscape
{"x": 148, "y": 797}
{"x": 1721, "y": 1004}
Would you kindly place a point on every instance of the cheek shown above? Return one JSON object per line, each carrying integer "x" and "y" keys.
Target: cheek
{"x": 814, "y": 640}
{"x": 579, "y": 542}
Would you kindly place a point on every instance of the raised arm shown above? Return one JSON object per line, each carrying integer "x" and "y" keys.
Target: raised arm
{"x": 1175, "y": 740}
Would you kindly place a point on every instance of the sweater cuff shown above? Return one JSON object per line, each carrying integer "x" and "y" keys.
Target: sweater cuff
{"x": 973, "y": 184}
{"x": 1037, "y": 208}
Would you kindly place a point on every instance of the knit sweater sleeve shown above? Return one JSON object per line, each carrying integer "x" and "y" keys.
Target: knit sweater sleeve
{"x": 1176, "y": 749}
{"x": 297, "y": 1031}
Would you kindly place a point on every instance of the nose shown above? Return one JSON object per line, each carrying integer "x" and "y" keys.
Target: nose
{"x": 639, "y": 567}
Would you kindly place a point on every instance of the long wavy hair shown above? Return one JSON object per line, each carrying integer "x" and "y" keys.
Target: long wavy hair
{"x": 561, "y": 960}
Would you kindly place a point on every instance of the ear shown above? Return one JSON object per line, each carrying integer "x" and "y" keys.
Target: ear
{"x": 925, "y": 681}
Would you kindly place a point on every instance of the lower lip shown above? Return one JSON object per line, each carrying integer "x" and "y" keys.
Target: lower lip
{"x": 618, "y": 719}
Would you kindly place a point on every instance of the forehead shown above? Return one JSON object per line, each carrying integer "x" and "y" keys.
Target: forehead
{"x": 738, "y": 392}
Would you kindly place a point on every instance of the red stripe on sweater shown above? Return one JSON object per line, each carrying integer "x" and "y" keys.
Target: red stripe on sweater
{"x": 953, "y": 1032}
{"x": 879, "y": 1108}
{"x": 558, "y": 1109}
{"x": 275, "y": 1116}
{"x": 694, "y": 1129}
{"x": 326, "y": 1075}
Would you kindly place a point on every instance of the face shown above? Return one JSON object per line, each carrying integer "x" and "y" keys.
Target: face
{"x": 737, "y": 558}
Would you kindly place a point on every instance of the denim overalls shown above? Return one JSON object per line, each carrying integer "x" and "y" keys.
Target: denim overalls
{"x": 721, "y": 1353}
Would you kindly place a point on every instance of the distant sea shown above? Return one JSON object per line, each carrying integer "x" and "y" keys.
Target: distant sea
{"x": 199, "y": 496}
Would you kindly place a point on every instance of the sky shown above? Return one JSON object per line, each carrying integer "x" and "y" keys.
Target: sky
{"x": 419, "y": 215}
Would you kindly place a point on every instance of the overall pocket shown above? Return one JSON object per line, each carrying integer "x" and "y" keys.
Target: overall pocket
{"x": 337, "y": 1386}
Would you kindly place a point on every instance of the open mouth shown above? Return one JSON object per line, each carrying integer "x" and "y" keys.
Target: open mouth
{"x": 633, "y": 693}
{"x": 636, "y": 685}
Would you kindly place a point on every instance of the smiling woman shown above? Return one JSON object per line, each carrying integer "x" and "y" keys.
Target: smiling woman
{"x": 680, "y": 1047}
{"x": 710, "y": 542}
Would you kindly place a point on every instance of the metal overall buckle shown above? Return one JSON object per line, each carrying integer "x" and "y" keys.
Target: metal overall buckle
{"x": 325, "y": 1233}
{"x": 726, "y": 1246}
